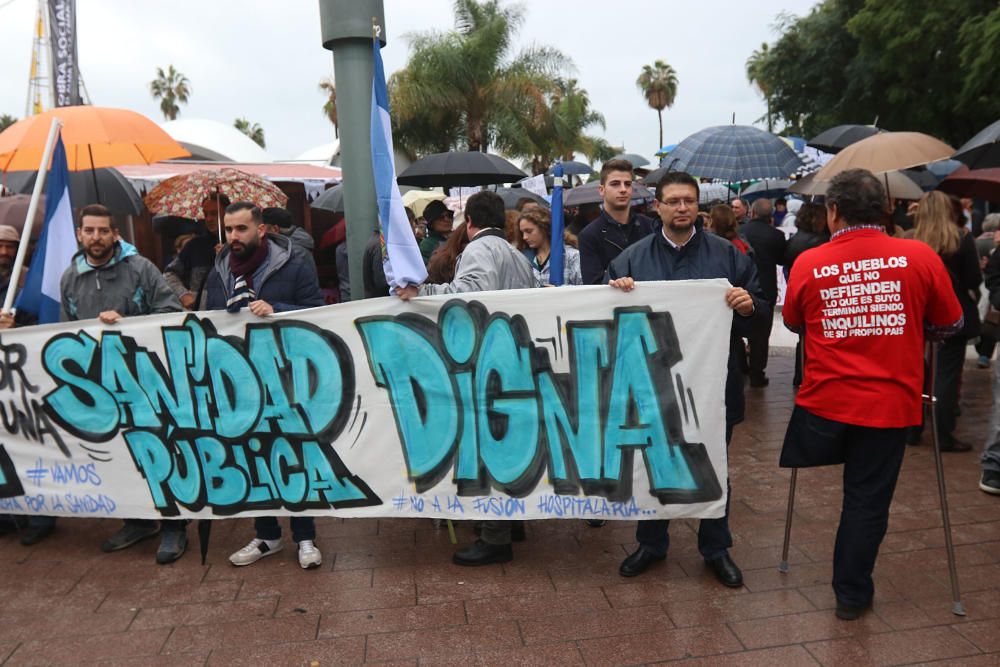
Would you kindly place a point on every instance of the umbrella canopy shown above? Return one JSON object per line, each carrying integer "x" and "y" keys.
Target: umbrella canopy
{"x": 589, "y": 194}
{"x": 975, "y": 183}
{"x": 887, "y": 151}
{"x": 983, "y": 150}
{"x": 331, "y": 200}
{"x": 94, "y": 137}
{"x": 666, "y": 149}
{"x": 734, "y": 153}
{"x": 636, "y": 159}
{"x": 100, "y": 186}
{"x": 769, "y": 187}
{"x": 511, "y": 196}
{"x": 460, "y": 169}
{"x": 183, "y": 194}
{"x": 14, "y": 210}
{"x": 897, "y": 185}
{"x": 572, "y": 168}
{"x": 840, "y": 137}
{"x": 419, "y": 199}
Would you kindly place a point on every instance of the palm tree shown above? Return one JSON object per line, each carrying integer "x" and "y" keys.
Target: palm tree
{"x": 658, "y": 83}
{"x": 755, "y": 75}
{"x": 327, "y": 85}
{"x": 6, "y": 120}
{"x": 468, "y": 77}
{"x": 170, "y": 87}
{"x": 254, "y": 131}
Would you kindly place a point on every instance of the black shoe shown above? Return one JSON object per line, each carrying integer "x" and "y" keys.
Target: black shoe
{"x": 129, "y": 534}
{"x": 638, "y": 562}
{"x": 726, "y": 571}
{"x": 517, "y": 533}
{"x": 847, "y": 612}
{"x": 34, "y": 534}
{"x": 173, "y": 544}
{"x": 12, "y": 524}
{"x": 596, "y": 523}
{"x": 990, "y": 482}
{"x": 759, "y": 380}
{"x": 953, "y": 445}
{"x": 482, "y": 553}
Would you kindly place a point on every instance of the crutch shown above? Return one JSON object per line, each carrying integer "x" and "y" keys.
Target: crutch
{"x": 929, "y": 400}
{"x": 783, "y": 565}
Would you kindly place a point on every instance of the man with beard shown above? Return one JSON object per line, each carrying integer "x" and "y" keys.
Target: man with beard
{"x": 616, "y": 228}
{"x": 262, "y": 272}
{"x": 110, "y": 280}
{"x": 680, "y": 251}
{"x": 9, "y": 238}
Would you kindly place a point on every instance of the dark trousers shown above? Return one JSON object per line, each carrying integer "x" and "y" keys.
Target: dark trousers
{"x": 947, "y": 379}
{"x": 872, "y": 458}
{"x": 167, "y": 525}
{"x": 303, "y": 528}
{"x": 986, "y": 346}
{"x": 759, "y": 340}
{"x": 714, "y": 538}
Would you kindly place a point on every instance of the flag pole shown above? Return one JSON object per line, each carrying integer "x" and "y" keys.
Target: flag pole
{"x": 36, "y": 195}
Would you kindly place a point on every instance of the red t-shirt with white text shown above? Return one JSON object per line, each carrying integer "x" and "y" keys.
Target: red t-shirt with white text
{"x": 862, "y": 301}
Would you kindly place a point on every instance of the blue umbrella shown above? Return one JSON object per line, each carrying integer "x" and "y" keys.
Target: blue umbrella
{"x": 556, "y": 260}
{"x": 734, "y": 153}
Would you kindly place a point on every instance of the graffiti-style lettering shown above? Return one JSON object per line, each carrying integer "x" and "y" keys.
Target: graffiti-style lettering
{"x": 230, "y": 424}
{"x": 472, "y": 394}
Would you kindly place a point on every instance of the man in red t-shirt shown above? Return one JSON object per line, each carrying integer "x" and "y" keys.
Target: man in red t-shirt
{"x": 865, "y": 302}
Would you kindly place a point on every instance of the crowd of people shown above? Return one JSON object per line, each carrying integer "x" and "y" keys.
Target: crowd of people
{"x": 264, "y": 263}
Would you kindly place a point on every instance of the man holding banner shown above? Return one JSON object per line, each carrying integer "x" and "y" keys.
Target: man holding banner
{"x": 679, "y": 251}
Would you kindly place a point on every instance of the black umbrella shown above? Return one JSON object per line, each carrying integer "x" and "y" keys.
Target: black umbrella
{"x": 204, "y": 535}
{"x": 459, "y": 169}
{"x": 983, "y": 150}
{"x": 332, "y": 200}
{"x": 511, "y": 196}
{"x": 589, "y": 194}
{"x": 99, "y": 186}
{"x": 573, "y": 168}
{"x": 769, "y": 187}
{"x": 636, "y": 159}
{"x": 840, "y": 137}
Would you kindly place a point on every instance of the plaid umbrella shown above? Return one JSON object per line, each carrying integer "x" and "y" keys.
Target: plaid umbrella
{"x": 183, "y": 194}
{"x": 734, "y": 153}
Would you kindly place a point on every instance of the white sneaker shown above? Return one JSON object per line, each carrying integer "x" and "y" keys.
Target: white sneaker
{"x": 254, "y": 551}
{"x": 309, "y": 555}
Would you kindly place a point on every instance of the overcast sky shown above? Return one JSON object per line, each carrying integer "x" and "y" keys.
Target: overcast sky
{"x": 262, "y": 59}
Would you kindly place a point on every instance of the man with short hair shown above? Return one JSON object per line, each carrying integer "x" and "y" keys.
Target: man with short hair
{"x": 261, "y": 272}
{"x": 739, "y": 209}
{"x": 109, "y": 280}
{"x": 616, "y": 228}
{"x": 678, "y": 250}
{"x": 488, "y": 263}
{"x": 864, "y": 370}
{"x": 9, "y": 240}
{"x": 439, "y": 220}
{"x": 768, "y": 246}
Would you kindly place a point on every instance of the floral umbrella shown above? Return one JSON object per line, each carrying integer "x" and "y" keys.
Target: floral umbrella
{"x": 183, "y": 194}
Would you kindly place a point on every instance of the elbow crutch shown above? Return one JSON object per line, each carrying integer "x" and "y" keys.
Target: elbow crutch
{"x": 783, "y": 565}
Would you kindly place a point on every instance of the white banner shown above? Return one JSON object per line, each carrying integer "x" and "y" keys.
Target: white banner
{"x": 581, "y": 402}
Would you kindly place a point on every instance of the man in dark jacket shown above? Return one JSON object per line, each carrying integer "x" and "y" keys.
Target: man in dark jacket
{"x": 109, "y": 280}
{"x": 768, "y": 252}
{"x": 680, "y": 251}
{"x": 263, "y": 273}
{"x": 616, "y": 228}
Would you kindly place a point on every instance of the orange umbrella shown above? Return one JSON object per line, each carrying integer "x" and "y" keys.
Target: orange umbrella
{"x": 888, "y": 151}
{"x": 94, "y": 137}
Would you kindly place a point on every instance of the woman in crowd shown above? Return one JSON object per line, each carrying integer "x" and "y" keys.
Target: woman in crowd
{"x": 536, "y": 231}
{"x": 441, "y": 267}
{"x": 936, "y": 224}
{"x": 810, "y": 221}
{"x": 722, "y": 222}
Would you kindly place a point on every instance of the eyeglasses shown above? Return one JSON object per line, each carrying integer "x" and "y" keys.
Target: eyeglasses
{"x": 690, "y": 202}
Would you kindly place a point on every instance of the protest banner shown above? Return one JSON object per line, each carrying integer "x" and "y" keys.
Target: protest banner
{"x": 582, "y": 402}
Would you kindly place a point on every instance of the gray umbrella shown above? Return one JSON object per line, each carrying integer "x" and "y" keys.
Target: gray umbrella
{"x": 459, "y": 169}
{"x": 983, "y": 150}
{"x": 573, "y": 168}
{"x": 734, "y": 153}
{"x": 332, "y": 200}
{"x": 840, "y": 137}
{"x": 111, "y": 189}
{"x": 636, "y": 159}
{"x": 511, "y": 196}
{"x": 589, "y": 194}
{"x": 769, "y": 187}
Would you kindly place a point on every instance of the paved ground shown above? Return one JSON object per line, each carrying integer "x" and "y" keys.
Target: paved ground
{"x": 388, "y": 593}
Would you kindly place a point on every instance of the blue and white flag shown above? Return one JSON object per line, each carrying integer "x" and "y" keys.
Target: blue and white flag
{"x": 401, "y": 258}
{"x": 56, "y": 245}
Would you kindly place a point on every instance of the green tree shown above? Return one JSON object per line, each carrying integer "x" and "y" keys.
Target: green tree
{"x": 754, "y": 66}
{"x": 555, "y": 130}
{"x": 252, "y": 130}
{"x": 458, "y": 85}
{"x": 6, "y": 120}
{"x": 170, "y": 88}
{"x": 658, "y": 84}
{"x": 328, "y": 87}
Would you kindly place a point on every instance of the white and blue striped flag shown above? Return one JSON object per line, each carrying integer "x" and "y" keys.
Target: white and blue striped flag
{"x": 401, "y": 258}
{"x": 56, "y": 245}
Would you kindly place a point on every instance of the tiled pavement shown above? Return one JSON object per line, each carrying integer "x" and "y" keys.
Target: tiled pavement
{"x": 387, "y": 592}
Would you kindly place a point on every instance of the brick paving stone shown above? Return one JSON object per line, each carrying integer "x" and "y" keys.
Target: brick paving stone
{"x": 168, "y": 660}
{"x": 466, "y": 639}
{"x": 804, "y": 627}
{"x": 576, "y": 626}
{"x": 785, "y": 656}
{"x": 666, "y": 645}
{"x": 549, "y": 654}
{"x": 984, "y": 634}
{"x": 538, "y": 605}
{"x": 167, "y": 595}
{"x": 57, "y": 622}
{"x": 913, "y": 645}
{"x": 397, "y": 619}
{"x": 68, "y": 650}
{"x": 719, "y": 610}
{"x": 304, "y": 582}
{"x": 341, "y": 651}
{"x": 351, "y": 599}
{"x": 201, "y": 613}
{"x": 194, "y": 638}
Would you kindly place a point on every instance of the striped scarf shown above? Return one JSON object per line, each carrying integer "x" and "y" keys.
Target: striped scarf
{"x": 243, "y": 270}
